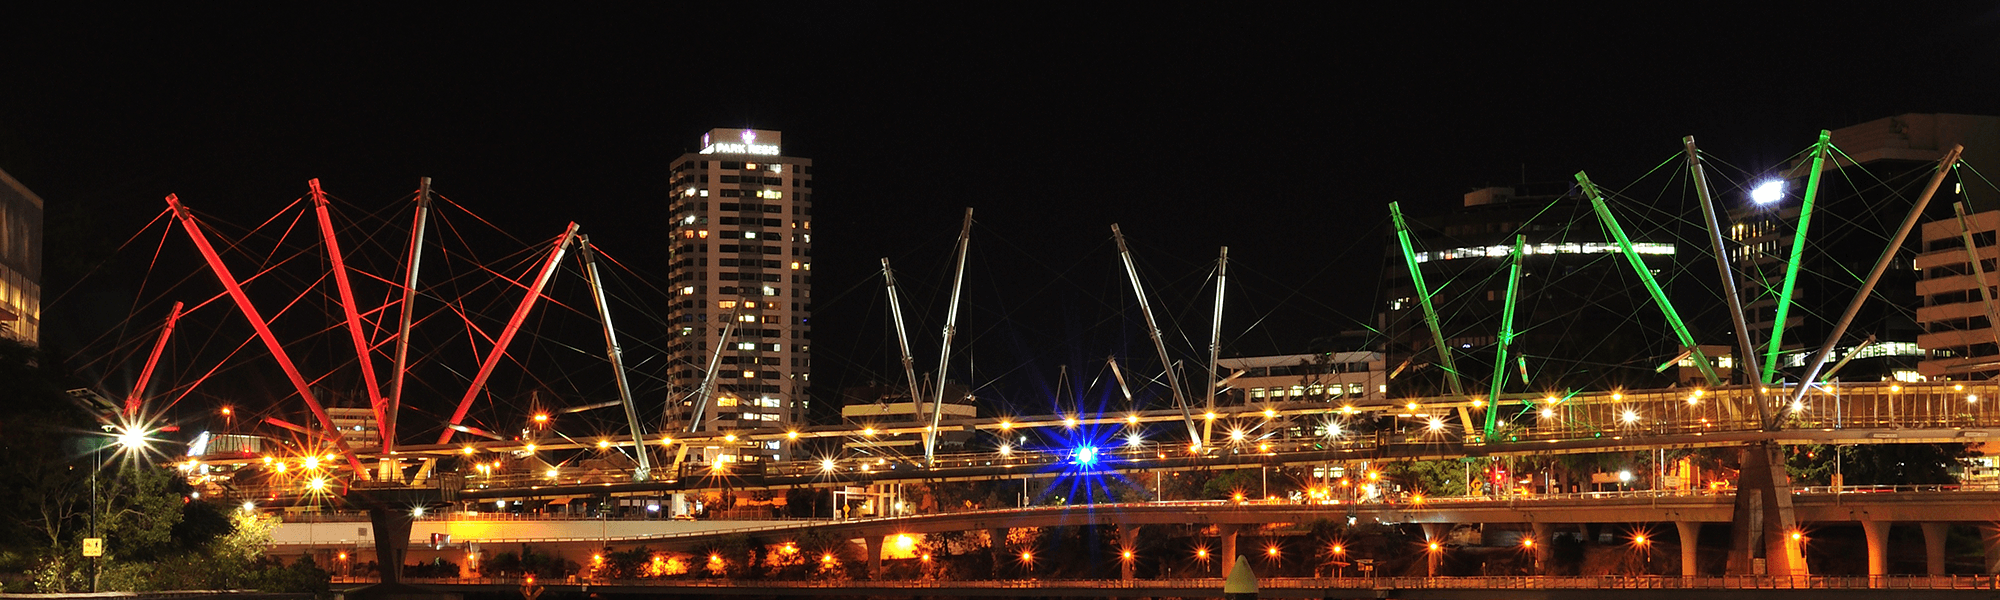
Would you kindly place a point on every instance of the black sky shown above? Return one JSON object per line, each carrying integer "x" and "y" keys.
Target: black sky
{"x": 1278, "y": 130}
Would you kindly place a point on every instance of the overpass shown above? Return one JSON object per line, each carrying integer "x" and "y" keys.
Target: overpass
{"x": 1350, "y": 588}
{"x": 1536, "y": 517}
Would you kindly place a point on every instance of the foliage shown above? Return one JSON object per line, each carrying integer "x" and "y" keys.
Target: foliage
{"x": 437, "y": 568}
{"x": 142, "y": 509}
{"x": 1429, "y": 477}
{"x": 1877, "y": 464}
{"x": 46, "y": 498}
{"x": 628, "y": 564}
{"x": 529, "y": 562}
{"x": 1229, "y": 483}
{"x": 801, "y": 503}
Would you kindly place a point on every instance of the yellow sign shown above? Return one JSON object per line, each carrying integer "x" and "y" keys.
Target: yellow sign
{"x": 93, "y": 546}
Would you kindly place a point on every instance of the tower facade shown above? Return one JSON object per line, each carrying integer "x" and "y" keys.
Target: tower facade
{"x": 742, "y": 261}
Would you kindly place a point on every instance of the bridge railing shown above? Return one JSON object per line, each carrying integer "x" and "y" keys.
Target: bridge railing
{"x": 1731, "y": 582}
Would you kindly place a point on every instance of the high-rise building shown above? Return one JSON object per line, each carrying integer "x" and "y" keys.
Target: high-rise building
{"x": 1957, "y": 317}
{"x": 1583, "y": 320}
{"x": 742, "y": 262}
{"x": 1866, "y": 188}
{"x": 20, "y": 261}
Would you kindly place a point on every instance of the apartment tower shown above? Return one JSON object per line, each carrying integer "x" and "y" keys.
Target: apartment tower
{"x": 742, "y": 262}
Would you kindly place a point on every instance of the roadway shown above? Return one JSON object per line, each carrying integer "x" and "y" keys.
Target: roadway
{"x": 1604, "y": 507}
{"x": 1355, "y": 588}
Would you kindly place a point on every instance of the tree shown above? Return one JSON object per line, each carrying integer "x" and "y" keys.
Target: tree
{"x": 47, "y": 440}
{"x": 1877, "y": 464}
{"x": 1429, "y": 477}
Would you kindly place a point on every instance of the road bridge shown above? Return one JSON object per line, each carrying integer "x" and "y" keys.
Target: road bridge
{"x": 1354, "y": 588}
{"x": 1536, "y": 517}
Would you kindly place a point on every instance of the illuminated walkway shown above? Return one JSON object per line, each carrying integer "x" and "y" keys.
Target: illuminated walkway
{"x": 1411, "y": 588}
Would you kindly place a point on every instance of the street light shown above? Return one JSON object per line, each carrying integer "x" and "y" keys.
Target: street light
{"x": 1768, "y": 192}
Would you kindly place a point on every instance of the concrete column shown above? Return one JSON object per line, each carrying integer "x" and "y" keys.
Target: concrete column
{"x": 876, "y": 544}
{"x": 1434, "y": 536}
{"x": 996, "y": 542}
{"x": 392, "y": 542}
{"x": 1128, "y": 541}
{"x": 1228, "y": 547}
{"x": 1934, "y": 533}
{"x": 1763, "y": 517}
{"x": 1544, "y": 535}
{"x": 1990, "y": 534}
{"x": 1877, "y": 533}
{"x": 1690, "y": 547}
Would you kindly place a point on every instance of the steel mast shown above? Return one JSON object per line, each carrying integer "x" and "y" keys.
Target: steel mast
{"x": 1646, "y": 277}
{"x": 903, "y": 340}
{"x": 1748, "y": 348}
{"x": 617, "y": 357}
{"x": 137, "y": 399}
{"x": 1215, "y": 343}
{"x": 409, "y": 308}
{"x": 1881, "y": 265}
{"x": 1153, "y": 328}
{"x": 1424, "y": 299}
{"x": 1505, "y": 338}
{"x": 944, "y": 354}
{"x": 1792, "y": 264}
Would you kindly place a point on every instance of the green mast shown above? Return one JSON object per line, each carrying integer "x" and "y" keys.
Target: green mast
{"x": 1506, "y": 337}
{"x": 1424, "y": 298}
{"x": 1645, "y": 275}
{"x": 1792, "y": 261}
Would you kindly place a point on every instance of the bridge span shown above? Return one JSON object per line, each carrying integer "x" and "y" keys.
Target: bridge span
{"x": 1342, "y": 588}
{"x": 1532, "y": 518}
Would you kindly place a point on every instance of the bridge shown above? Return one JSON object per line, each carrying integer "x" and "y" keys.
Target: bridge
{"x": 1522, "y": 519}
{"x": 396, "y": 481}
{"x": 1344, "y": 588}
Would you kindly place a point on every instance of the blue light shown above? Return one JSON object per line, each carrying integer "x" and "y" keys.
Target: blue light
{"x": 1086, "y": 455}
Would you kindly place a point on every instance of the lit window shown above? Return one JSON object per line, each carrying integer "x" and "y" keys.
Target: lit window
{"x": 795, "y": 265}
{"x": 770, "y": 417}
{"x": 749, "y": 374}
{"x": 687, "y": 291}
{"x": 726, "y": 304}
{"x": 726, "y": 401}
{"x": 749, "y": 235}
{"x": 704, "y": 193}
{"x": 746, "y": 346}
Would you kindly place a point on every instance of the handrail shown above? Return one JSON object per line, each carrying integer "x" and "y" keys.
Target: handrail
{"x": 1822, "y": 582}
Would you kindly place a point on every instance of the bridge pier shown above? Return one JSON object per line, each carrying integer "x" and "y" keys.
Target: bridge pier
{"x": 1434, "y": 537}
{"x": 1128, "y": 541}
{"x": 1877, "y": 533}
{"x": 996, "y": 543}
{"x": 1228, "y": 546}
{"x": 1764, "y": 521}
{"x": 1991, "y": 535}
{"x": 875, "y": 547}
{"x": 1690, "y": 547}
{"x": 1934, "y": 534}
{"x": 1544, "y": 535}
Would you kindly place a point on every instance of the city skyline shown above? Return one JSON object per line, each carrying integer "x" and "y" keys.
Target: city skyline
{"x": 1192, "y": 129}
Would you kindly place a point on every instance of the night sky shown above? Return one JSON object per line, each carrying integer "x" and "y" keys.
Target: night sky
{"x": 1281, "y": 131}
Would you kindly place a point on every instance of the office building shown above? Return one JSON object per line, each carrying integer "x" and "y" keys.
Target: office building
{"x": 20, "y": 261}
{"x": 741, "y": 231}
{"x": 1583, "y": 321}
{"x": 1866, "y": 189}
{"x": 1959, "y": 338}
{"x": 1288, "y": 380}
